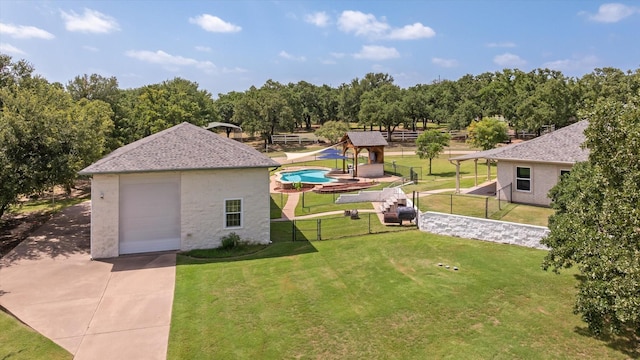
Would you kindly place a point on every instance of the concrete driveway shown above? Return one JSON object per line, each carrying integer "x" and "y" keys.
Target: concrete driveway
{"x": 109, "y": 309}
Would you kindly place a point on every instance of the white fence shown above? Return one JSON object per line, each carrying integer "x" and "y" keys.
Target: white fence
{"x": 290, "y": 138}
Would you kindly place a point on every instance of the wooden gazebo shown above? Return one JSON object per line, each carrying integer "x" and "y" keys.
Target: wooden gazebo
{"x": 374, "y": 143}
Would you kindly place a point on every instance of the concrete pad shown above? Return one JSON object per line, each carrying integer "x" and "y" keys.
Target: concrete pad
{"x": 59, "y": 319}
{"x": 70, "y": 344}
{"x": 111, "y": 309}
{"x": 126, "y": 312}
{"x": 148, "y": 344}
{"x": 141, "y": 281}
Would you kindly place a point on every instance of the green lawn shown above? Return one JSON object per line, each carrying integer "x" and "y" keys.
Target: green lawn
{"x": 278, "y": 201}
{"x": 526, "y": 214}
{"x": 379, "y": 296}
{"x": 45, "y": 204}
{"x": 314, "y": 203}
{"x": 18, "y": 341}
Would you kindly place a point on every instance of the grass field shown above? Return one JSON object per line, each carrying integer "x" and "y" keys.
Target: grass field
{"x": 379, "y": 297}
{"x": 20, "y": 342}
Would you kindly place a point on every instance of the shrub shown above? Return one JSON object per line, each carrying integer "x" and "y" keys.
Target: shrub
{"x": 230, "y": 241}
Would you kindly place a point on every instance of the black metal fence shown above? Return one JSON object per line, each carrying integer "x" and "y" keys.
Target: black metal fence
{"x": 412, "y": 173}
{"x": 334, "y": 227}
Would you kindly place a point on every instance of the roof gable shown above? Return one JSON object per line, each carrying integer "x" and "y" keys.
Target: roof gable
{"x": 365, "y": 138}
{"x": 560, "y": 146}
{"x": 182, "y": 147}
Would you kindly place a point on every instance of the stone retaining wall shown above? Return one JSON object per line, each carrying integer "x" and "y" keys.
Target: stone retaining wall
{"x": 483, "y": 229}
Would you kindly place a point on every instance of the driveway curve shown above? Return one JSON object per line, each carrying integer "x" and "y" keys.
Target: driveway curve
{"x": 104, "y": 309}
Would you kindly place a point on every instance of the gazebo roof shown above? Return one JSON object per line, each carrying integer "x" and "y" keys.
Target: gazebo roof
{"x": 365, "y": 138}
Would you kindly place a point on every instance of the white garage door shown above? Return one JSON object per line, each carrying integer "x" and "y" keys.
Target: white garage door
{"x": 149, "y": 213}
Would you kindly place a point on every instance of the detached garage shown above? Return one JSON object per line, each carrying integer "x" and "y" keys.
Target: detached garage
{"x": 180, "y": 189}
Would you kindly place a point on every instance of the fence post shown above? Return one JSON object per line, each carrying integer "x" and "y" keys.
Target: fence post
{"x": 486, "y": 208}
{"x": 319, "y": 236}
{"x": 369, "y": 223}
{"x": 303, "y": 200}
{"x": 293, "y": 230}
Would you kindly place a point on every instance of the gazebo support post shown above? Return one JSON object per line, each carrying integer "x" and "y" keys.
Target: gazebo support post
{"x": 475, "y": 161}
{"x": 488, "y": 170}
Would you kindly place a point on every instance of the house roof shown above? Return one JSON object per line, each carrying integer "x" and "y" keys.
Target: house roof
{"x": 560, "y": 146}
{"x": 182, "y": 147}
{"x": 365, "y": 138}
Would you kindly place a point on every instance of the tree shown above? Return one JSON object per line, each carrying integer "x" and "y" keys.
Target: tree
{"x": 487, "y": 133}
{"x": 160, "y": 106}
{"x": 264, "y": 111}
{"x": 431, "y": 143}
{"x": 596, "y": 225}
{"x": 46, "y": 137}
{"x": 383, "y": 107}
{"x": 333, "y": 130}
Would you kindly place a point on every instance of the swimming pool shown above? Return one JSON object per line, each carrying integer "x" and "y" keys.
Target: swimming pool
{"x": 306, "y": 176}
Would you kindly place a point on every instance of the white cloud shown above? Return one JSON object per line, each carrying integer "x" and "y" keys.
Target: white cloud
{"x": 235, "y": 70}
{"x": 361, "y": 24}
{"x": 583, "y": 63}
{"x": 504, "y": 44}
{"x": 319, "y": 18}
{"x": 411, "y": 32}
{"x": 446, "y": 63}
{"x": 368, "y": 25}
{"x": 214, "y": 24}
{"x": 509, "y": 60}
{"x": 90, "y": 21}
{"x": 171, "y": 61}
{"x": 10, "y": 49}
{"x": 328, "y": 62}
{"x": 285, "y": 55}
{"x": 613, "y": 12}
{"x": 24, "y": 32}
{"x": 203, "y": 48}
{"x": 337, "y": 55}
{"x": 377, "y": 52}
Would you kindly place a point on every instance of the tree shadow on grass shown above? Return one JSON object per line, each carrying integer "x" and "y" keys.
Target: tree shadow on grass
{"x": 626, "y": 342}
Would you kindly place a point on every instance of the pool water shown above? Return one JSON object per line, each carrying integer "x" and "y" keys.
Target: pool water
{"x": 308, "y": 176}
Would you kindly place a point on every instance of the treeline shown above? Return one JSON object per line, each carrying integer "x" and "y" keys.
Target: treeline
{"x": 50, "y": 131}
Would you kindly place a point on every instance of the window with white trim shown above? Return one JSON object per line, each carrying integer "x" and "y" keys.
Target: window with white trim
{"x": 523, "y": 179}
{"x": 233, "y": 213}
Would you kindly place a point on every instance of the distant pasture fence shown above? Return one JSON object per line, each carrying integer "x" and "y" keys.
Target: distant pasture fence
{"x": 292, "y": 138}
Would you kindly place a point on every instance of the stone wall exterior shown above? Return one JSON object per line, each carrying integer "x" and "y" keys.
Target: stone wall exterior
{"x": 203, "y": 195}
{"x": 105, "y": 215}
{"x": 483, "y": 229}
{"x": 544, "y": 176}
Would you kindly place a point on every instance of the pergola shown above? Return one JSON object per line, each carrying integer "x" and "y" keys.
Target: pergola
{"x": 372, "y": 141}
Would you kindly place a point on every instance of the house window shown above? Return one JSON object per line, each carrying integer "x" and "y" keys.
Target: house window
{"x": 564, "y": 172}
{"x": 233, "y": 213}
{"x": 523, "y": 179}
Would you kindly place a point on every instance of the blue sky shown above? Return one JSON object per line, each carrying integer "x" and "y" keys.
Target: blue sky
{"x": 230, "y": 45}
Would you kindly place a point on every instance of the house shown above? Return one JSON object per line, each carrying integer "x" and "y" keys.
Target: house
{"x": 374, "y": 143}
{"x": 180, "y": 189}
{"x": 528, "y": 170}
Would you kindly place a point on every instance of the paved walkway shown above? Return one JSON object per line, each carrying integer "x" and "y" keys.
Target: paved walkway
{"x": 113, "y": 309}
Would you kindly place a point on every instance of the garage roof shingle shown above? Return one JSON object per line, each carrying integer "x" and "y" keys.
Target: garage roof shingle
{"x": 182, "y": 147}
